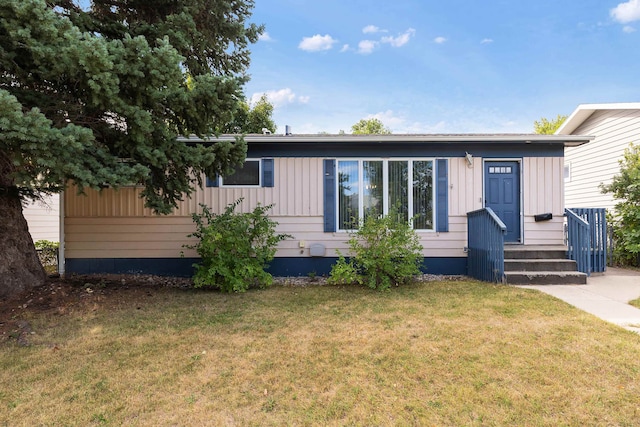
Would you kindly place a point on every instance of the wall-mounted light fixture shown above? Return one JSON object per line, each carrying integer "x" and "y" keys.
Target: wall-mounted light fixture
{"x": 469, "y": 159}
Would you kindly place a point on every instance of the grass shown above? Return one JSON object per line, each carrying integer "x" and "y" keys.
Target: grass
{"x": 440, "y": 353}
{"x": 635, "y": 303}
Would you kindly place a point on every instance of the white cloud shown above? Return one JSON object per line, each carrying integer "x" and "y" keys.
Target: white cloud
{"x": 345, "y": 48}
{"x": 317, "y": 43}
{"x": 424, "y": 128}
{"x": 626, "y": 12}
{"x": 440, "y": 40}
{"x": 388, "y": 118}
{"x": 628, "y": 29}
{"x": 365, "y": 47}
{"x": 280, "y": 98}
{"x": 372, "y": 29}
{"x": 401, "y": 39}
{"x": 401, "y": 125}
{"x": 265, "y": 37}
{"x": 486, "y": 41}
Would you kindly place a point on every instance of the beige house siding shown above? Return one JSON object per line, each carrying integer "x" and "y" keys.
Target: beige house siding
{"x": 465, "y": 186}
{"x": 597, "y": 162}
{"x": 43, "y": 218}
{"x": 297, "y": 191}
{"x": 115, "y": 224}
{"x": 163, "y": 237}
{"x": 542, "y": 194}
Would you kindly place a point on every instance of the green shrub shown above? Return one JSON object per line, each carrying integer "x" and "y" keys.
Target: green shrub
{"x": 235, "y": 248}
{"x": 625, "y": 187}
{"x": 48, "y": 254}
{"x": 344, "y": 273}
{"x": 46, "y": 244}
{"x": 385, "y": 251}
{"x": 619, "y": 235}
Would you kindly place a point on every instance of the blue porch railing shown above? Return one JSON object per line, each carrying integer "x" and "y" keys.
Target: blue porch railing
{"x": 485, "y": 244}
{"x": 597, "y": 248}
{"x": 578, "y": 241}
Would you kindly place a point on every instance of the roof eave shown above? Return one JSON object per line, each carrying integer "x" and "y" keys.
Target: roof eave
{"x": 566, "y": 140}
{"x": 583, "y": 111}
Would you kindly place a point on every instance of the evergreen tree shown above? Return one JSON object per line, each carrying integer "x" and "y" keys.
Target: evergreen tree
{"x": 97, "y": 97}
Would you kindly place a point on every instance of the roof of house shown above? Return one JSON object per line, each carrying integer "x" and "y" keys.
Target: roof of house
{"x": 583, "y": 112}
{"x": 566, "y": 140}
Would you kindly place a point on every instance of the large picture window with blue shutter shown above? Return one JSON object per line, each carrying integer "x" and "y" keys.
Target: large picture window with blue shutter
{"x": 374, "y": 187}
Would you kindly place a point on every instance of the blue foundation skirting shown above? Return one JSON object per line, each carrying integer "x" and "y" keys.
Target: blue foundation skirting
{"x": 183, "y": 267}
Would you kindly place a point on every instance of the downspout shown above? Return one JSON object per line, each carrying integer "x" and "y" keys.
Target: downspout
{"x": 61, "y": 238}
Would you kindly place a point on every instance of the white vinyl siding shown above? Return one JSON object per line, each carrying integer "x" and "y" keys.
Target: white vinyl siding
{"x": 43, "y": 218}
{"x": 596, "y": 162}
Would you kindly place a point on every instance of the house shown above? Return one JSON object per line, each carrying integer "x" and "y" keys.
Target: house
{"x": 614, "y": 126}
{"x": 43, "y": 218}
{"x": 317, "y": 183}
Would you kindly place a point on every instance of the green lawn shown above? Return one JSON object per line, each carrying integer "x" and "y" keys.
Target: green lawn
{"x": 438, "y": 353}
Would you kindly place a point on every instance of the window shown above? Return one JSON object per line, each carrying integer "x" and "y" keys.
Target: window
{"x": 500, "y": 169}
{"x": 373, "y": 187}
{"x": 253, "y": 173}
{"x": 247, "y": 175}
{"x": 567, "y": 172}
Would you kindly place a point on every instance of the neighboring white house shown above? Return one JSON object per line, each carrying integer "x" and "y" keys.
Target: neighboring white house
{"x": 614, "y": 126}
{"x": 43, "y": 218}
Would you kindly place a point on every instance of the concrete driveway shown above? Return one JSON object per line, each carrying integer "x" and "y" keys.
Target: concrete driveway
{"x": 605, "y": 295}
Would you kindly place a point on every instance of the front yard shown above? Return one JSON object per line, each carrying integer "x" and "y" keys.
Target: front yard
{"x": 434, "y": 353}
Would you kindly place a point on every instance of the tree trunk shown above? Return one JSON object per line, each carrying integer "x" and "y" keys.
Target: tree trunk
{"x": 20, "y": 268}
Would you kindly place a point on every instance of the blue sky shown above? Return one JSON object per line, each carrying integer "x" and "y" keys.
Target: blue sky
{"x": 425, "y": 66}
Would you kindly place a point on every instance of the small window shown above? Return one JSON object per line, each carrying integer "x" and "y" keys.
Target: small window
{"x": 499, "y": 170}
{"x": 247, "y": 175}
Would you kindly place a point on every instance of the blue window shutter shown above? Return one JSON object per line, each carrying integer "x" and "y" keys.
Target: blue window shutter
{"x": 213, "y": 182}
{"x": 329, "y": 195}
{"x": 267, "y": 173}
{"x": 442, "y": 195}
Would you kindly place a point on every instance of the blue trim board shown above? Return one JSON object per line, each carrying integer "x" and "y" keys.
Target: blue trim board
{"x": 179, "y": 267}
{"x": 267, "y": 172}
{"x": 183, "y": 267}
{"x": 329, "y": 183}
{"x": 405, "y": 150}
{"x": 442, "y": 195}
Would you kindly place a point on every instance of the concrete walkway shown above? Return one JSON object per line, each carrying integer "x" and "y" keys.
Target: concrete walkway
{"x": 605, "y": 295}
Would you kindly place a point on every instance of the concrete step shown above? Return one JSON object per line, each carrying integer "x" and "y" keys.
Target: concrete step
{"x": 535, "y": 252}
{"x": 539, "y": 265}
{"x": 545, "y": 278}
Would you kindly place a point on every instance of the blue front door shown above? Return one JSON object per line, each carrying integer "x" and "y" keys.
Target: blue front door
{"x": 502, "y": 194}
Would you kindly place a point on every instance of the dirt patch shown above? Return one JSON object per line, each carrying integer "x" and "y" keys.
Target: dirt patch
{"x": 62, "y": 295}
